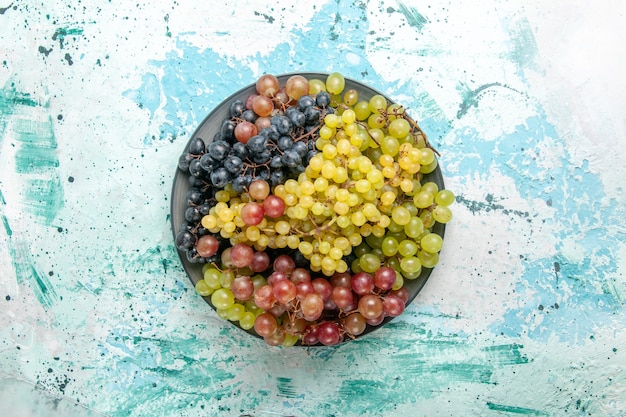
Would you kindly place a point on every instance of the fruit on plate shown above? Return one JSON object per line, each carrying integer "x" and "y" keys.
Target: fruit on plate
{"x": 310, "y": 210}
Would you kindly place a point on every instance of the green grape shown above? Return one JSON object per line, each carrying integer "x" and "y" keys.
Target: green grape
{"x": 222, "y": 298}
{"x": 315, "y": 86}
{"x": 355, "y": 266}
{"x": 247, "y": 319}
{"x": 227, "y": 278}
{"x": 428, "y": 156}
{"x": 335, "y": 83}
{"x": 203, "y": 289}
{"x": 427, "y": 169}
{"x": 390, "y": 146}
{"x": 362, "y": 110}
{"x": 423, "y": 199}
{"x": 414, "y": 227}
{"x": 399, "y": 283}
{"x": 399, "y": 128}
{"x": 407, "y": 247}
{"x": 290, "y": 340}
{"x": 401, "y": 216}
{"x": 428, "y": 260}
{"x": 431, "y": 243}
{"x": 212, "y": 278}
{"x": 350, "y": 97}
{"x": 222, "y": 313}
{"x": 410, "y": 265}
{"x": 374, "y": 241}
{"x": 361, "y": 249}
{"x": 377, "y": 103}
{"x": 430, "y": 187}
{"x": 369, "y": 263}
{"x": 444, "y": 198}
{"x": 235, "y": 312}
{"x": 412, "y": 275}
{"x": 393, "y": 263}
{"x": 442, "y": 214}
{"x": 427, "y": 219}
{"x": 389, "y": 246}
{"x": 376, "y": 121}
{"x": 395, "y": 227}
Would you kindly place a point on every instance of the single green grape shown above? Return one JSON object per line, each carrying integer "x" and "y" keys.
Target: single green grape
{"x": 247, "y": 319}
{"x": 407, "y": 247}
{"x": 431, "y": 243}
{"x": 222, "y": 298}
{"x": 444, "y": 198}
{"x": 410, "y": 265}
{"x": 335, "y": 83}
{"x": 389, "y": 246}
{"x": 369, "y": 263}
{"x": 399, "y": 128}
{"x": 203, "y": 289}
{"x": 428, "y": 260}
{"x": 442, "y": 214}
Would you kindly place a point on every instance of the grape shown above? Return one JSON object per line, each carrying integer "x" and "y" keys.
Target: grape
{"x": 222, "y": 298}
{"x": 252, "y": 213}
{"x": 323, "y": 288}
{"x": 276, "y": 276}
{"x": 370, "y": 306}
{"x": 203, "y": 289}
{"x": 277, "y": 338}
{"x": 384, "y": 278}
{"x": 296, "y": 86}
{"x": 284, "y": 291}
{"x": 264, "y": 297}
{"x": 342, "y": 297}
{"x": 241, "y": 255}
{"x": 354, "y": 324}
{"x": 362, "y": 283}
{"x": 247, "y": 320}
{"x": 274, "y": 206}
{"x": 393, "y": 305}
{"x": 442, "y": 214}
{"x": 341, "y": 280}
{"x": 312, "y": 307}
{"x": 335, "y": 83}
{"x": 376, "y": 320}
{"x": 284, "y": 263}
{"x": 207, "y": 246}
{"x": 300, "y": 275}
{"x": 303, "y": 289}
{"x": 262, "y": 105}
{"x": 244, "y": 131}
{"x": 267, "y": 85}
{"x": 310, "y": 336}
{"x": 328, "y": 333}
{"x": 431, "y": 242}
{"x": 265, "y": 324}
{"x": 260, "y": 262}
{"x": 242, "y": 288}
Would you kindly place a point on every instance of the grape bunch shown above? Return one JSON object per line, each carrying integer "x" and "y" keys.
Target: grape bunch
{"x": 309, "y": 211}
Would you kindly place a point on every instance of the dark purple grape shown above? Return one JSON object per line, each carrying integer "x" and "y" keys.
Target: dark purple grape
{"x": 282, "y": 123}
{"x": 291, "y": 158}
{"x": 228, "y": 130}
{"x": 219, "y": 150}
{"x": 236, "y": 108}
{"x": 239, "y": 149}
{"x": 312, "y": 115}
{"x": 322, "y": 99}
{"x": 233, "y": 164}
{"x": 276, "y": 162}
{"x": 262, "y": 157}
{"x": 284, "y": 143}
{"x": 257, "y": 144}
{"x": 196, "y": 146}
{"x": 193, "y": 196}
{"x": 185, "y": 240}
{"x": 305, "y": 101}
{"x": 249, "y": 116}
{"x": 192, "y": 214}
{"x": 220, "y": 177}
{"x": 277, "y": 177}
{"x": 301, "y": 148}
{"x": 183, "y": 161}
{"x": 195, "y": 169}
{"x": 207, "y": 162}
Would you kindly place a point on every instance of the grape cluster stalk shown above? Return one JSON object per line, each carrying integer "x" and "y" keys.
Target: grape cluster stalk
{"x": 309, "y": 211}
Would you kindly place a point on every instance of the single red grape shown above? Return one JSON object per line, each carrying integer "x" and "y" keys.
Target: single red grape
{"x": 207, "y": 246}
{"x": 252, "y": 213}
{"x": 274, "y": 206}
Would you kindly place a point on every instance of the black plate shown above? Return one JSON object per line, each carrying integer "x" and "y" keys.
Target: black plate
{"x": 209, "y": 128}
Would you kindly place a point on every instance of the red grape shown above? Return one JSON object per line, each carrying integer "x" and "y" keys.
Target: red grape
{"x": 323, "y": 288}
{"x": 249, "y": 101}
{"x": 328, "y": 333}
{"x": 297, "y": 86}
{"x": 341, "y": 279}
{"x": 262, "y": 105}
{"x": 263, "y": 122}
{"x": 264, "y": 297}
{"x": 362, "y": 283}
{"x": 299, "y": 275}
{"x": 276, "y": 338}
{"x": 284, "y": 291}
{"x": 245, "y": 130}
{"x": 274, "y": 206}
{"x": 267, "y": 85}
{"x": 284, "y": 263}
{"x": 370, "y": 306}
{"x": 226, "y": 258}
{"x": 276, "y": 276}
{"x": 281, "y": 96}
{"x": 265, "y": 324}
{"x": 309, "y": 336}
{"x": 312, "y": 307}
{"x": 342, "y": 296}
{"x": 242, "y": 288}
{"x": 259, "y": 189}
{"x": 376, "y": 320}
{"x": 241, "y": 255}
{"x": 277, "y": 310}
{"x": 252, "y": 213}
{"x": 260, "y": 262}
{"x": 393, "y": 305}
{"x": 207, "y": 246}
{"x": 354, "y": 324}
{"x": 402, "y": 292}
{"x": 384, "y": 278}
{"x": 304, "y": 288}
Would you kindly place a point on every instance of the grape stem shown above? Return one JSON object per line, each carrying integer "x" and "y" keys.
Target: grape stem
{"x": 420, "y": 131}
